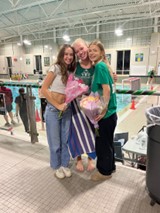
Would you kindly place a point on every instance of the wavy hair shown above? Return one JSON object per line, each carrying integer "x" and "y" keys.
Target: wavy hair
{"x": 60, "y": 61}
{"x": 99, "y": 44}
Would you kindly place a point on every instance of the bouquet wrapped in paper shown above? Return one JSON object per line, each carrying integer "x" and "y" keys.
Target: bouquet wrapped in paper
{"x": 92, "y": 106}
{"x": 74, "y": 88}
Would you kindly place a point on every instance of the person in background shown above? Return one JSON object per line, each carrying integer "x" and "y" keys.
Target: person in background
{"x": 34, "y": 71}
{"x": 21, "y": 109}
{"x": 151, "y": 75}
{"x": 80, "y": 123}
{"x": 8, "y": 101}
{"x": 53, "y": 89}
{"x": 103, "y": 83}
{"x": 40, "y": 77}
{"x": 43, "y": 102}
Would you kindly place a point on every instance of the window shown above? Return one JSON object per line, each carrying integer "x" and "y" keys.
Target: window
{"x": 9, "y": 64}
{"x": 123, "y": 62}
{"x": 38, "y": 63}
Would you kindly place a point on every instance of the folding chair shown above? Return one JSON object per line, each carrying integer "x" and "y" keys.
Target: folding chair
{"x": 119, "y": 140}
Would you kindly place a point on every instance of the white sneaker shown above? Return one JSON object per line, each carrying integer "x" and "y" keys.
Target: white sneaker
{"x": 59, "y": 173}
{"x": 67, "y": 171}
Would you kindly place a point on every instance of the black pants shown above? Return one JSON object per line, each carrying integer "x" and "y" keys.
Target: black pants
{"x": 24, "y": 119}
{"x": 105, "y": 146}
{"x": 43, "y": 107}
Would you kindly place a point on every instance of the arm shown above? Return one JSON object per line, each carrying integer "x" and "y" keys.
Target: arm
{"x": 11, "y": 97}
{"x": 47, "y": 94}
{"x": 115, "y": 77}
{"x": 17, "y": 109}
{"x": 113, "y": 74}
{"x": 106, "y": 96}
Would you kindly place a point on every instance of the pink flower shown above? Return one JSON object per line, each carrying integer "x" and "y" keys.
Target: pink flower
{"x": 74, "y": 88}
{"x": 92, "y": 106}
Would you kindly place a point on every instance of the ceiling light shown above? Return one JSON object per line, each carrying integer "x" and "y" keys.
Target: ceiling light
{"x": 27, "y": 42}
{"x": 19, "y": 44}
{"x": 129, "y": 39}
{"x": 119, "y": 32}
{"x": 66, "y": 37}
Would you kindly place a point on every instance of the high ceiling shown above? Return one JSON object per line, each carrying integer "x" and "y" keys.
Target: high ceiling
{"x": 41, "y": 19}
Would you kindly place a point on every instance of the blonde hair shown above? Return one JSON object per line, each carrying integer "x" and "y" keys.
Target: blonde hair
{"x": 80, "y": 40}
{"x": 99, "y": 44}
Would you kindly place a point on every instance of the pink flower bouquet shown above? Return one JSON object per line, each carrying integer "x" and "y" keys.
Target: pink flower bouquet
{"x": 92, "y": 106}
{"x": 74, "y": 88}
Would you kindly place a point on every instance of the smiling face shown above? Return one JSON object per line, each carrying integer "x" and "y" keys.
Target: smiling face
{"x": 95, "y": 54}
{"x": 68, "y": 56}
{"x": 81, "y": 50}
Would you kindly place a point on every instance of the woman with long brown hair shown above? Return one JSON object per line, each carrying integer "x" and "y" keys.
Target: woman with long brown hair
{"x": 57, "y": 127}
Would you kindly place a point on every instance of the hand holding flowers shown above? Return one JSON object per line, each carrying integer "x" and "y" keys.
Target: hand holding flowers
{"x": 94, "y": 108}
{"x": 74, "y": 88}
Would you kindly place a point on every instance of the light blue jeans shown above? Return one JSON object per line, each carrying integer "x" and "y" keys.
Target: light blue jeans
{"x": 57, "y": 135}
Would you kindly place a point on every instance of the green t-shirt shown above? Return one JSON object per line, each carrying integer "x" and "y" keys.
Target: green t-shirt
{"x": 151, "y": 73}
{"x": 102, "y": 76}
{"x": 84, "y": 74}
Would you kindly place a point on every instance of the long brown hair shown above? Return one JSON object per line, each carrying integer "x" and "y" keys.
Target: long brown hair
{"x": 99, "y": 44}
{"x": 61, "y": 63}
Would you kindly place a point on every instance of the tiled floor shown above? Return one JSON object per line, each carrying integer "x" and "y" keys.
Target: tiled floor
{"x": 28, "y": 184}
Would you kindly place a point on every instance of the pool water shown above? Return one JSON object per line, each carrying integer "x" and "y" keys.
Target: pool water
{"x": 15, "y": 93}
{"x": 122, "y": 100}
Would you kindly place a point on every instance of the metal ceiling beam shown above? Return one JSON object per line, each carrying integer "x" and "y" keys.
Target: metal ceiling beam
{"x": 91, "y": 33}
{"x": 28, "y": 5}
{"x": 43, "y": 10}
{"x": 82, "y": 34}
{"x": 93, "y": 12}
{"x": 75, "y": 17}
{"x": 14, "y": 3}
{"x": 92, "y": 20}
{"x": 55, "y": 10}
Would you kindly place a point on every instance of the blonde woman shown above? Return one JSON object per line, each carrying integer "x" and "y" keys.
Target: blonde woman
{"x": 103, "y": 83}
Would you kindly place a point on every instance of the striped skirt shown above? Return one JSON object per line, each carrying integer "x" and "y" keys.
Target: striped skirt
{"x": 81, "y": 137}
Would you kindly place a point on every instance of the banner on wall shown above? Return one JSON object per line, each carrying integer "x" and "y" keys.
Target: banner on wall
{"x": 2, "y": 104}
{"x": 46, "y": 61}
{"x": 139, "y": 57}
{"x": 28, "y": 61}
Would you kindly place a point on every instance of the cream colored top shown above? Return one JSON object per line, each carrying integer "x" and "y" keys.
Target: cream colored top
{"x": 57, "y": 85}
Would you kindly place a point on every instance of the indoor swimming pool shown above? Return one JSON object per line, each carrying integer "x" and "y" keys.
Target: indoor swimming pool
{"x": 122, "y": 100}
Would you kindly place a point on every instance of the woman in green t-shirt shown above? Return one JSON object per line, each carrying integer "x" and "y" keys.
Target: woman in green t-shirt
{"x": 103, "y": 84}
{"x": 82, "y": 137}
